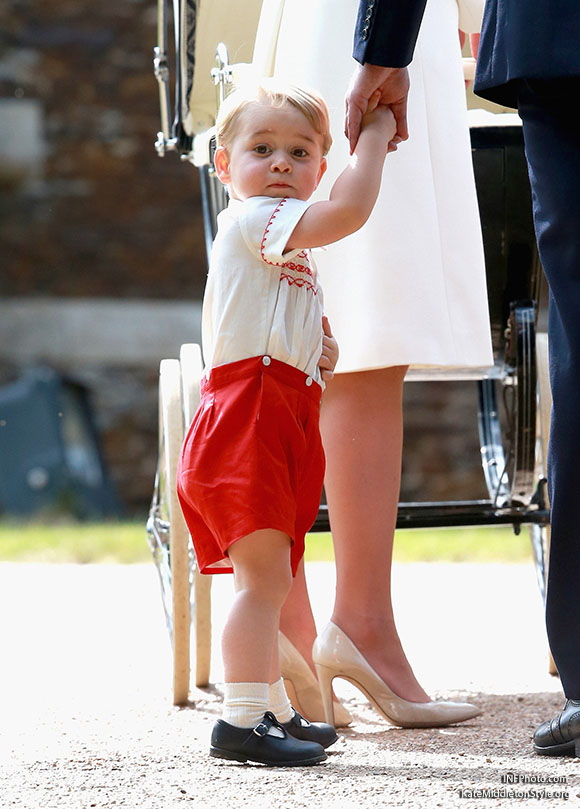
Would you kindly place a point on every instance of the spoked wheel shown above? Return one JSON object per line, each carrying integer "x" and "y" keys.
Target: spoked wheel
{"x": 521, "y": 351}
{"x": 185, "y": 593}
{"x": 516, "y": 475}
{"x": 200, "y": 586}
{"x": 508, "y": 440}
{"x": 540, "y": 533}
{"x": 166, "y": 530}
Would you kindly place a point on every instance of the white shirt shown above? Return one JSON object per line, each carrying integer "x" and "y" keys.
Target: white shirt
{"x": 260, "y": 300}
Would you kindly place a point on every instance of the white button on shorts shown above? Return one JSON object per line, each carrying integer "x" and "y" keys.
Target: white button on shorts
{"x": 309, "y": 381}
{"x": 266, "y": 360}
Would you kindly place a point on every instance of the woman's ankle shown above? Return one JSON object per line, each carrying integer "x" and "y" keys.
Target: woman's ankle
{"x": 379, "y": 643}
{"x": 302, "y": 636}
{"x": 367, "y": 630}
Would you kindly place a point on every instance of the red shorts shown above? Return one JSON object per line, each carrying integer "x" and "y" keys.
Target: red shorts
{"x": 252, "y": 459}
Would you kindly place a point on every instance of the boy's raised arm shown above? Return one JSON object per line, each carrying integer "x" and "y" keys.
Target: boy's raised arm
{"x": 355, "y": 191}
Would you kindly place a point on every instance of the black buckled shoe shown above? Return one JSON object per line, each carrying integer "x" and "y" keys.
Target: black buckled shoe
{"x": 278, "y": 749}
{"x": 561, "y": 735}
{"x": 301, "y": 728}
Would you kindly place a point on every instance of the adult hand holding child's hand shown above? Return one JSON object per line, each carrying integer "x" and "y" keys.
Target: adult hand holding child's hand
{"x": 380, "y": 117}
{"x": 393, "y": 87}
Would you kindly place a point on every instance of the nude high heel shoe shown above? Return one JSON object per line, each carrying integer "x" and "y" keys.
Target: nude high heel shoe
{"x": 302, "y": 686}
{"x": 335, "y": 655}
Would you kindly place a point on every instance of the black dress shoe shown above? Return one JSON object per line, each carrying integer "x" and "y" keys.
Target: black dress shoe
{"x": 319, "y": 732}
{"x": 257, "y": 744}
{"x": 561, "y": 735}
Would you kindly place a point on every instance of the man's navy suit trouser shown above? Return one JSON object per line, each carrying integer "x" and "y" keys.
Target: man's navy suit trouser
{"x": 548, "y": 108}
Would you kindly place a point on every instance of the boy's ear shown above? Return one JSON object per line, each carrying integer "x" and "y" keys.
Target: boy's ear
{"x": 221, "y": 162}
{"x": 321, "y": 170}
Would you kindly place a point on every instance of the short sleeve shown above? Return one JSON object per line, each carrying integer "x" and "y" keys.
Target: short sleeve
{"x": 267, "y": 224}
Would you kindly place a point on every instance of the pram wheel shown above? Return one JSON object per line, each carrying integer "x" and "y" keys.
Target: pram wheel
{"x": 200, "y": 603}
{"x": 540, "y": 533}
{"x": 185, "y": 594}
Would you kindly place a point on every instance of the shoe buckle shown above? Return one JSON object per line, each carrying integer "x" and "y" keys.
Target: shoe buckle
{"x": 261, "y": 729}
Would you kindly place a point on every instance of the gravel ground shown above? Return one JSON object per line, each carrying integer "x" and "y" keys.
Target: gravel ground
{"x": 87, "y": 721}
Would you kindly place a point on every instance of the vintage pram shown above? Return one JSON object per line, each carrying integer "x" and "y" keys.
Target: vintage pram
{"x": 513, "y": 397}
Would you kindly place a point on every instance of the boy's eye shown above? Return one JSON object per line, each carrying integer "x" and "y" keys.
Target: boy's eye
{"x": 261, "y": 148}
{"x": 300, "y": 153}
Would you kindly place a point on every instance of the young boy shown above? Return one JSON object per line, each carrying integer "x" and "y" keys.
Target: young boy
{"x": 252, "y": 465}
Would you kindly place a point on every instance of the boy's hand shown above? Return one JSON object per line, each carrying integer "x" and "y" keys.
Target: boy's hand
{"x": 329, "y": 356}
{"x": 380, "y": 117}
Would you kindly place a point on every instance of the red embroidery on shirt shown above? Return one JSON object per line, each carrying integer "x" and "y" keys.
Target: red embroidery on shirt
{"x": 290, "y": 265}
{"x": 299, "y": 282}
{"x": 298, "y": 267}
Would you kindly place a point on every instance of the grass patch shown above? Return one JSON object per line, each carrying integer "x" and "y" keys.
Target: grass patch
{"x": 125, "y": 542}
{"x": 482, "y": 544}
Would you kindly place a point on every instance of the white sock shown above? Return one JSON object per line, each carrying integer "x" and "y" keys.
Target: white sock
{"x": 279, "y": 702}
{"x": 245, "y": 703}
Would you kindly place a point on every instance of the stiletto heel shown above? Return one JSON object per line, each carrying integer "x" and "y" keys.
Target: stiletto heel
{"x": 335, "y": 655}
{"x": 325, "y": 678}
{"x": 303, "y": 688}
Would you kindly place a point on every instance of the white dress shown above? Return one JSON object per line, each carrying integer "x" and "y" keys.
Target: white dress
{"x": 409, "y": 287}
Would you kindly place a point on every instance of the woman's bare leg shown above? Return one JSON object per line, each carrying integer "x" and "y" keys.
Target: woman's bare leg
{"x": 296, "y": 618}
{"x": 362, "y": 431}
{"x": 362, "y": 428}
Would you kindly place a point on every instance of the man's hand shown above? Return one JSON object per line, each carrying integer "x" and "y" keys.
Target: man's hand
{"x": 393, "y": 84}
{"x": 329, "y": 356}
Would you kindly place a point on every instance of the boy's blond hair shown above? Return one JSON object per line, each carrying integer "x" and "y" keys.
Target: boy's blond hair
{"x": 275, "y": 94}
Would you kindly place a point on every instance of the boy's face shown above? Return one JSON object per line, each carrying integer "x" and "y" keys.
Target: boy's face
{"x": 275, "y": 152}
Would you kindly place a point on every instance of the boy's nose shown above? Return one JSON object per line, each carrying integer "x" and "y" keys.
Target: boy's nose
{"x": 280, "y": 163}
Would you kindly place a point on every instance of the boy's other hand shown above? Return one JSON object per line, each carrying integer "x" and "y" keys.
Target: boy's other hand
{"x": 329, "y": 356}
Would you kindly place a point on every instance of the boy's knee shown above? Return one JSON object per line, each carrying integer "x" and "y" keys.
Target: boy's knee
{"x": 285, "y": 583}
{"x": 261, "y": 563}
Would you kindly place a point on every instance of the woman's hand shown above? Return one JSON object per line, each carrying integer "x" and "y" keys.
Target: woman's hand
{"x": 329, "y": 356}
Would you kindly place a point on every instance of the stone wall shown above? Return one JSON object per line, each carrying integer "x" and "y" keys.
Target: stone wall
{"x": 87, "y": 208}
{"x": 88, "y": 211}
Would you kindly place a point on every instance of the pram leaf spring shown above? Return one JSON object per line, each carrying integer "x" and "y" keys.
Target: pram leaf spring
{"x": 175, "y": 138}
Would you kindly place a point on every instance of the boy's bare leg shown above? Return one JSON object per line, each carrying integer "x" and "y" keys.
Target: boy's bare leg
{"x": 262, "y": 580}
{"x": 254, "y": 694}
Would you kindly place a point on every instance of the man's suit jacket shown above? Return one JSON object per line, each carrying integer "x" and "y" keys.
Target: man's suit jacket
{"x": 526, "y": 39}
{"x": 386, "y": 31}
{"x": 520, "y": 39}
